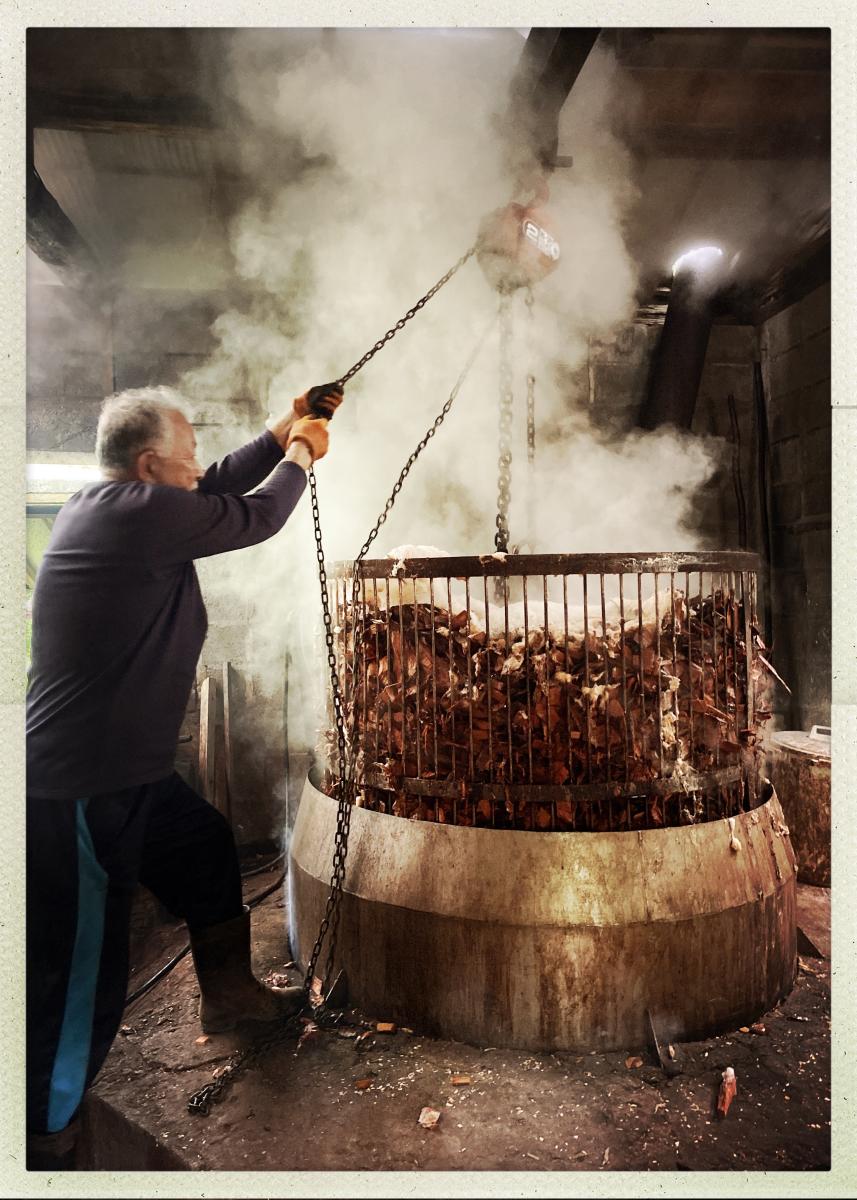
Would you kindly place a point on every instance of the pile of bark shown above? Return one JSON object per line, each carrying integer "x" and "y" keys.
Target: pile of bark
{"x": 432, "y": 696}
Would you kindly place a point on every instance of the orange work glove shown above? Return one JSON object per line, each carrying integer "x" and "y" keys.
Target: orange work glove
{"x": 321, "y": 401}
{"x": 312, "y": 431}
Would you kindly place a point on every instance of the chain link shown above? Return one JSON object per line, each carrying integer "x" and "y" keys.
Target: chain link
{"x": 504, "y": 459}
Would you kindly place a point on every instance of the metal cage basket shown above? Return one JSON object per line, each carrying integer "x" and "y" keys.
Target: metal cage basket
{"x": 584, "y": 692}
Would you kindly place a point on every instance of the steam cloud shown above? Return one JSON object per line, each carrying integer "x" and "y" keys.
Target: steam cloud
{"x": 402, "y": 156}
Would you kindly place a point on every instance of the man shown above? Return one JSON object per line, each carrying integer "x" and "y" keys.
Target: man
{"x": 118, "y": 625}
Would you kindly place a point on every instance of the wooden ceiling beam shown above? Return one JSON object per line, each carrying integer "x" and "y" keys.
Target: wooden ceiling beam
{"x": 112, "y": 112}
{"x": 712, "y": 142}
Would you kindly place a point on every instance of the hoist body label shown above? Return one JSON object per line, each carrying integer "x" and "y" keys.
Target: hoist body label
{"x": 540, "y": 238}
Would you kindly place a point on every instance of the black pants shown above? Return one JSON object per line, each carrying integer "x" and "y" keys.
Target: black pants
{"x": 84, "y": 860}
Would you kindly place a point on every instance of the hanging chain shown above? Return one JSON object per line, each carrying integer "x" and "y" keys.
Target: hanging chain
{"x": 346, "y": 784}
{"x": 202, "y": 1099}
{"x": 504, "y": 459}
{"x": 531, "y": 384}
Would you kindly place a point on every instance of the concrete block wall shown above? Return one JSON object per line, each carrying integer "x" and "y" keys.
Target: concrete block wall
{"x": 69, "y": 368}
{"x": 795, "y": 350}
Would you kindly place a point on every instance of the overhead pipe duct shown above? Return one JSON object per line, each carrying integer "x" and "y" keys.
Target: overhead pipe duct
{"x": 680, "y": 354}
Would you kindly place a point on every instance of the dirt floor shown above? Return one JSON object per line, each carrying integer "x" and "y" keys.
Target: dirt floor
{"x": 335, "y": 1104}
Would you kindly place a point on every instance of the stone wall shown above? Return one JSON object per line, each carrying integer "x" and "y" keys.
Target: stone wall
{"x": 794, "y": 350}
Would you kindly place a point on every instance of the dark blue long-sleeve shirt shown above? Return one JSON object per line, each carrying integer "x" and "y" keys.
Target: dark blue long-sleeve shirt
{"x": 119, "y": 620}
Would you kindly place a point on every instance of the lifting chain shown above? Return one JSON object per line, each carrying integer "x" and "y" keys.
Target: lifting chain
{"x": 345, "y": 783}
{"x": 201, "y": 1100}
{"x": 402, "y": 322}
{"x": 531, "y": 384}
{"x": 504, "y": 458}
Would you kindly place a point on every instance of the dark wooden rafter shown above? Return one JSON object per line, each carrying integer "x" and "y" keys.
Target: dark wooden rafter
{"x": 50, "y": 233}
{"x": 731, "y": 142}
{"x": 115, "y": 112}
{"x": 549, "y": 64}
{"x": 792, "y": 282}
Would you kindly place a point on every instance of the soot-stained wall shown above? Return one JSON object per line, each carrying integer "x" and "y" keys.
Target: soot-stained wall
{"x": 795, "y": 355}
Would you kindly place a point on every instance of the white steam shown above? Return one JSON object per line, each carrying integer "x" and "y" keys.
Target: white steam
{"x": 402, "y": 158}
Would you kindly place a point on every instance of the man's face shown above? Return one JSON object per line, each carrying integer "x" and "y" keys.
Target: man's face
{"x": 175, "y": 463}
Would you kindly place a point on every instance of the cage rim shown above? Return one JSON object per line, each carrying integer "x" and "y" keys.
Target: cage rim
{"x": 490, "y": 565}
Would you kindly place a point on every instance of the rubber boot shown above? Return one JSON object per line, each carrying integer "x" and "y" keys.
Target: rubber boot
{"x": 229, "y": 992}
{"x": 53, "y": 1151}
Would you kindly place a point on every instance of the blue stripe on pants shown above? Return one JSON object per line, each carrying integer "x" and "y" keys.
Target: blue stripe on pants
{"x": 68, "y": 1078}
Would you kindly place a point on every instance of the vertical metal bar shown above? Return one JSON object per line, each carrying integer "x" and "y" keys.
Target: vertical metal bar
{"x": 689, "y": 665}
{"x": 629, "y": 734}
{"x": 419, "y": 736}
{"x": 676, "y": 703}
{"x": 350, "y": 683}
{"x": 605, "y": 646}
{"x": 640, "y": 637}
{"x": 567, "y": 685}
{"x": 547, "y": 686}
{"x": 489, "y": 682}
{"x": 658, "y": 681}
{"x": 606, "y": 651}
{"x": 341, "y": 637}
{"x": 510, "y": 772}
{"x": 733, "y": 621}
{"x": 452, "y": 689}
{"x": 586, "y": 678}
{"x": 364, "y": 639}
{"x": 527, "y": 674}
{"x": 391, "y": 669}
{"x": 376, "y": 622}
{"x": 748, "y": 642}
{"x": 469, "y": 681}
{"x": 434, "y": 715}
{"x": 404, "y": 651}
{"x": 714, "y": 662}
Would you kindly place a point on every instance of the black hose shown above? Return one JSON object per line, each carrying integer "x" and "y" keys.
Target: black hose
{"x": 265, "y": 866}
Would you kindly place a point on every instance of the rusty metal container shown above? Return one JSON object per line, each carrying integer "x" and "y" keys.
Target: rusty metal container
{"x": 565, "y": 691}
{"x": 552, "y": 941}
{"x": 560, "y": 821}
{"x": 799, "y": 767}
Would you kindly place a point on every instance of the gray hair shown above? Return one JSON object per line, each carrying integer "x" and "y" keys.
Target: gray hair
{"x": 131, "y": 422}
